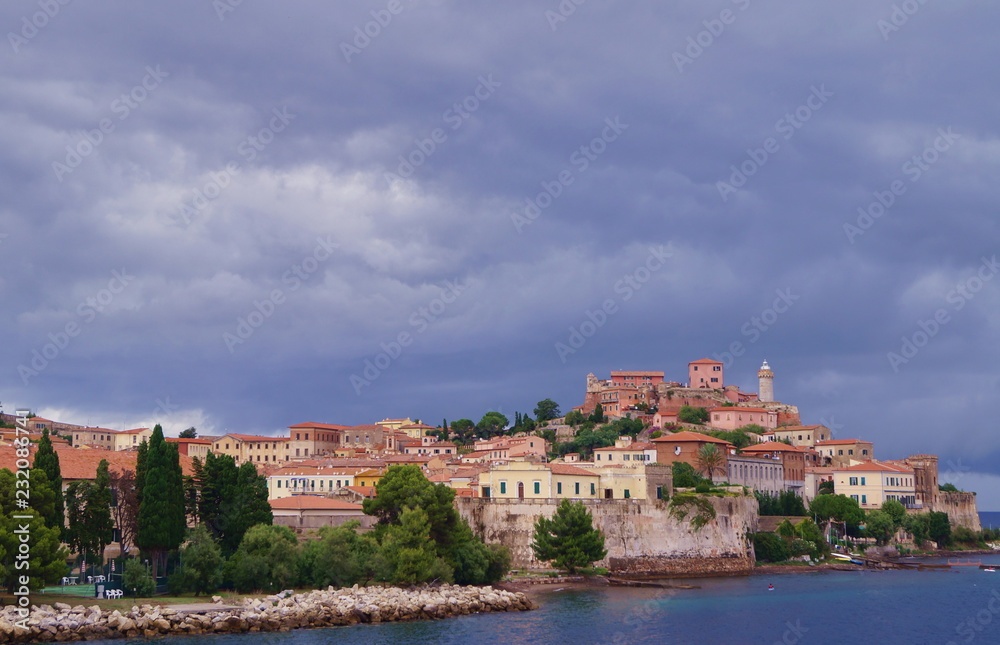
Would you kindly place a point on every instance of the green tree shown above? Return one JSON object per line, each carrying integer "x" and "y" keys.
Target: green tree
{"x": 685, "y": 476}
{"x": 463, "y": 430}
{"x": 839, "y": 508}
{"x": 251, "y": 505}
{"x": 161, "y": 523}
{"x": 189, "y": 433}
{"x": 216, "y": 500}
{"x": 895, "y": 510}
{"x": 826, "y": 487}
{"x": 769, "y": 547}
{"x": 689, "y": 414}
{"x": 338, "y": 557}
{"x": 939, "y": 528}
{"x": 568, "y": 539}
{"x": 492, "y": 424}
{"x": 880, "y": 525}
{"x": 141, "y": 466}
{"x": 948, "y": 488}
{"x": 574, "y": 418}
{"x": 711, "y": 460}
{"x": 546, "y": 409}
{"x": 407, "y": 554}
{"x": 47, "y": 460}
{"x": 786, "y": 529}
{"x": 598, "y": 415}
{"x": 137, "y": 579}
{"x": 405, "y": 487}
{"x": 46, "y": 562}
{"x": 808, "y": 530}
{"x": 918, "y": 525}
{"x": 202, "y": 560}
{"x": 88, "y": 510}
{"x": 266, "y": 560}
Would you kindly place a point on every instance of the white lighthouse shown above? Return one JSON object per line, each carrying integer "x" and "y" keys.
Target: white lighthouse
{"x": 766, "y": 379}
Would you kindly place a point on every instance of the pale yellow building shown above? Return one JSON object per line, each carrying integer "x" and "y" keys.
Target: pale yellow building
{"x": 874, "y": 482}
{"x": 626, "y": 452}
{"x": 369, "y": 477}
{"x": 841, "y": 453}
{"x": 313, "y": 480}
{"x": 531, "y": 480}
{"x": 253, "y": 448}
{"x": 802, "y": 436}
{"x": 395, "y": 424}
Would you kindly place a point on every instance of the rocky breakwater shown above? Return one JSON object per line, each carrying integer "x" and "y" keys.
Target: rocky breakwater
{"x": 329, "y": 608}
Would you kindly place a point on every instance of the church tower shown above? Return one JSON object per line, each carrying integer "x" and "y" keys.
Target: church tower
{"x": 766, "y": 379}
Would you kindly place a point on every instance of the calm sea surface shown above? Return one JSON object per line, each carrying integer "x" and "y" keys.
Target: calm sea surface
{"x": 957, "y": 606}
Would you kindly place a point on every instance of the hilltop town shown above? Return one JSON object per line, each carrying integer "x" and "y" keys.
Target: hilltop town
{"x": 620, "y": 448}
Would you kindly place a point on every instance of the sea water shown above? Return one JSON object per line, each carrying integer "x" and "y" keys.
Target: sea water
{"x": 960, "y": 605}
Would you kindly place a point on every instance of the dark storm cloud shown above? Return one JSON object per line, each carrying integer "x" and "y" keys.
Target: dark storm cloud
{"x": 292, "y": 187}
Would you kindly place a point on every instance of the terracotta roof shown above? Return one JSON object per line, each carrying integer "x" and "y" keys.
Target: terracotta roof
{"x": 788, "y": 428}
{"x": 312, "y": 502}
{"x": 634, "y": 447}
{"x": 737, "y": 408}
{"x": 134, "y": 431}
{"x": 206, "y": 442}
{"x": 367, "y": 491}
{"x": 75, "y": 463}
{"x": 366, "y": 426}
{"x": 252, "y": 437}
{"x": 840, "y": 442}
{"x": 321, "y": 426}
{"x": 705, "y": 361}
{"x": 566, "y": 469}
{"x": 772, "y": 446}
{"x": 687, "y": 435}
{"x": 875, "y": 466}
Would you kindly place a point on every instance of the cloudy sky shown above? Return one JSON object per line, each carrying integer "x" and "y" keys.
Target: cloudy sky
{"x": 242, "y": 216}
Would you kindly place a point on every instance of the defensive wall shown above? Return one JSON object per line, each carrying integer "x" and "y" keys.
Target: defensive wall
{"x": 643, "y": 539}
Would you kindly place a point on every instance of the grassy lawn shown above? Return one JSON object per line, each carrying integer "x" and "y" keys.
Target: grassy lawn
{"x": 126, "y": 604}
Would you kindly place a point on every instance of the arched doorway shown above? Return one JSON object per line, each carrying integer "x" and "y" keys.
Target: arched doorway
{"x": 520, "y": 490}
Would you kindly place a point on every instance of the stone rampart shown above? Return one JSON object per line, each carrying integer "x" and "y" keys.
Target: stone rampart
{"x": 643, "y": 539}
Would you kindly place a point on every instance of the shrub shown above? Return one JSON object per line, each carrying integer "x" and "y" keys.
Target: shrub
{"x": 137, "y": 580}
{"x": 769, "y": 547}
{"x": 703, "y": 487}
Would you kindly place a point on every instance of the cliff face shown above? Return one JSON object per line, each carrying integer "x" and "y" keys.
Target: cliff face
{"x": 960, "y": 507}
{"x": 641, "y": 537}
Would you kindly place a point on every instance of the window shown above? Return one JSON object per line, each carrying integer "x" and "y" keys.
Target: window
{"x": 558, "y": 488}
{"x": 659, "y": 492}
{"x": 853, "y": 481}
{"x": 503, "y": 488}
{"x": 863, "y": 481}
{"x": 576, "y": 488}
{"x": 864, "y": 452}
{"x": 854, "y": 497}
{"x": 538, "y": 488}
{"x": 627, "y": 495}
{"x": 593, "y": 489}
{"x": 598, "y": 456}
{"x": 851, "y": 451}
{"x": 625, "y": 457}
{"x": 279, "y": 483}
{"x": 864, "y": 499}
{"x": 840, "y": 452}
{"x": 486, "y": 491}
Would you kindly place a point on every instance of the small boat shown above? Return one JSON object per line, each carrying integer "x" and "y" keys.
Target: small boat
{"x": 990, "y": 569}
{"x": 853, "y": 559}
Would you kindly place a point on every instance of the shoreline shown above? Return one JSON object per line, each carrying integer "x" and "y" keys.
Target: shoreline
{"x": 318, "y": 608}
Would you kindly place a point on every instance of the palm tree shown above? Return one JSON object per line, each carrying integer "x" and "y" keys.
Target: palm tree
{"x": 711, "y": 460}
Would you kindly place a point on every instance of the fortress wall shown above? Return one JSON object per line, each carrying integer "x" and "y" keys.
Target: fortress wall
{"x": 642, "y": 538}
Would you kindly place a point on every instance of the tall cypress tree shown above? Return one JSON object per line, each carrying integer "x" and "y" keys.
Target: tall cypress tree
{"x": 141, "y": 458}
{"x": 47, "y": 460}
{"x": 218, "y": 496}
{"x": 252, "y": 507}
{"x": 161, "y": 509}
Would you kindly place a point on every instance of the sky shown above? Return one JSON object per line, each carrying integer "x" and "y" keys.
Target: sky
{"x": 241, "y": 216}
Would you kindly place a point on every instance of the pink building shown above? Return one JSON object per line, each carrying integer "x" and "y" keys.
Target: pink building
{"x": 705, "y": 373}
{"x": 733, "y": 417}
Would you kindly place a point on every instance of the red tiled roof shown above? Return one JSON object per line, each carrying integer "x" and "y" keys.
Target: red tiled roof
{"x": 736, "y": 408}
{"x": 687, "y": 435}
{"x": 367, "y": 491}
{"x": 321, "y": 426}
{"x": 875, "y": 466}
{"x": 312, "y": 502}
{"x": 252, "y": 437}
{"x": 566, "y": 469}
{"x": 840, "y": 442}
{"x": 75, "y": 463}
{"x": 705, "y": 361}
{"x": 207, "y": 442}
{"x": 786, "y": 428}
{"x": 134, "y": 431}
{"x": 772, "y": 446}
